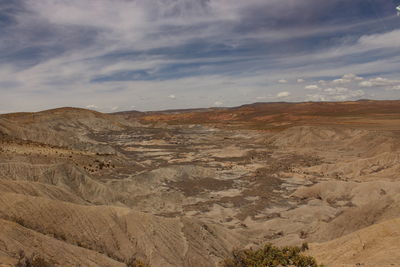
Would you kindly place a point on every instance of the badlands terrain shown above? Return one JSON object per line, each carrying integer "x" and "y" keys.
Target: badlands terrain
{"x": 186, "y": 187}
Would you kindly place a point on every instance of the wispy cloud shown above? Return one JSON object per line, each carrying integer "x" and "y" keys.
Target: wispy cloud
{"x": 125, "y": 53}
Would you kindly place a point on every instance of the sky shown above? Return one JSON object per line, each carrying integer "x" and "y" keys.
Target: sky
{"x": 114, "y": 55}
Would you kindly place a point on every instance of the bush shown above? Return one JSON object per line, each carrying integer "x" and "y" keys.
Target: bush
{"x": 32, "y": 261}
{"x": 270, "y": 256}
{"x": 134, "y": 262}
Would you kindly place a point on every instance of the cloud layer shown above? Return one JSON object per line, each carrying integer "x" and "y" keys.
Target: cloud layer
{"x": 114, "y": 54}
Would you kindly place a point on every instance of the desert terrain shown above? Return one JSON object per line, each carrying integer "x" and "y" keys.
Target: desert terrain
{"x": 186, "y": 187}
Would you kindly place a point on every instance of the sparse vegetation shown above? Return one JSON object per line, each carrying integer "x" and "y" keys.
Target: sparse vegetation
{"x": 134, "y": 262}
{"x": 34, "y": 260}
{"x": 271, "y": 256}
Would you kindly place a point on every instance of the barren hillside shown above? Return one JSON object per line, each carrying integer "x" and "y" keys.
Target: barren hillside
{"x": 184, "y": 188}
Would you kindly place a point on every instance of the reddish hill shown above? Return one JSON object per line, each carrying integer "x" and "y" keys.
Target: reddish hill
{"x": 275, "y": 116}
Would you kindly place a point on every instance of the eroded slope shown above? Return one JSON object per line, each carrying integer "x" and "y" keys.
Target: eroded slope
{"x": 104, "y": 189}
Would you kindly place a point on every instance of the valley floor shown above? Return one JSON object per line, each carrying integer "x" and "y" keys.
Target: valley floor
{"x": 82, "y": 192}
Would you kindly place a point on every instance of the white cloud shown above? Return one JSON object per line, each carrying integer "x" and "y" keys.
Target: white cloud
{"x": 351, "y": 76}
{"x": 366, "y": 84}
{"x": 379, "y": 82}
{"x": 337, "y": 94}
{"x": 300, "y": 80}
{"x": 341, "y": 81}
{"x": 347, "y": 78}
{"x": 115, "y": 108}
{"x": 283, "y": 94}
{"x": 218, "y": 103}
{"x": 336, "y": 90}
{"x": 312, "y": 87}
{"x": 92, "y": 106}
{"x": 282, "y": 81}
{"x": 172, "y": 96}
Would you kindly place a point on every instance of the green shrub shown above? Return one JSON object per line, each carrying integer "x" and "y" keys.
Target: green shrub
{"x": 270, "y": 256}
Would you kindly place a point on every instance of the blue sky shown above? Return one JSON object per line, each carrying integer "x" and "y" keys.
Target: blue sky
{"x": 113, "y": 55}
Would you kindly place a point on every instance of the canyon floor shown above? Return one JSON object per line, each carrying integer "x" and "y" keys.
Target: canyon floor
{"x": 185, "y": 188}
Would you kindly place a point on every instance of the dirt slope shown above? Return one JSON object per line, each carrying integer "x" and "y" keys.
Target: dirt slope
{"x": 118, "y": 233}
{"x": 377, "y": 245}
{"x": 68, "y": 127}
{"x": 81, "y": 187}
